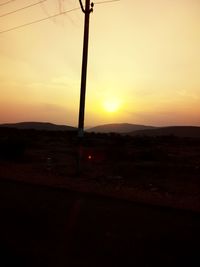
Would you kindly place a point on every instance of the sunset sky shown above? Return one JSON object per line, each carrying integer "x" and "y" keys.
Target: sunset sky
{"x": 143, "y": 65}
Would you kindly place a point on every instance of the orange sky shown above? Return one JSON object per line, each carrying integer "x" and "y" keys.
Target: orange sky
{"x": 143, "y": 55}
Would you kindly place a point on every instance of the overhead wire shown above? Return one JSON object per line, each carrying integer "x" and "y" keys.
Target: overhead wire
{"x": 39, "y": 20}
{"x": 104, "y": 2}
{"x": 22, "y": 8}
{"x": 6, "y": 3}
{"x": 43, "y": 19}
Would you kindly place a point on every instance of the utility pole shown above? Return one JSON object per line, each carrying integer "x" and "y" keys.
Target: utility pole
{"x": 87, "y": 10}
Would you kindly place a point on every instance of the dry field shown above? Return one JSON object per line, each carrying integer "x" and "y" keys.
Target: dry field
{"x": 44, "y": 226}
{"x": 136, "y": 201}
{"x": 158, "y": 170}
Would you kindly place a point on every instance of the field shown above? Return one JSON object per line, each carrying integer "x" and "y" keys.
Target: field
{"x": 43, "y": 226}
{"x": 161, "y": 170}
{"x": 133, "y": 201}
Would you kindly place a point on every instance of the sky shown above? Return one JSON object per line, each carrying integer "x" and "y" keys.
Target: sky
{"x": 143, "y": 62}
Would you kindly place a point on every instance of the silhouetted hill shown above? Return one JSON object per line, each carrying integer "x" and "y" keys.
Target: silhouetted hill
{"x": 118, "y": 128}
{"x": 39, "y": 126}
{"x": 180, "y": 131}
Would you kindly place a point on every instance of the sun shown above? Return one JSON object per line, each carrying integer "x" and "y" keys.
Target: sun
{"x": 111, "y": 105}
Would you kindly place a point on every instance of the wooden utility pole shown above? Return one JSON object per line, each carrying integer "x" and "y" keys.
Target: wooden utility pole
{"x": 87, "y": 10}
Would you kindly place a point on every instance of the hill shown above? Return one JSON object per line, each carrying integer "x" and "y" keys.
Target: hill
{"x": 119, "y": 128}
{"x": 39, "y": 126}
{"x": 179, "y": 131}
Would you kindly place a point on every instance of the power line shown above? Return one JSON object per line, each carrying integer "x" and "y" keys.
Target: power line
{"x": 39, "y": 20}
{"x": 22, "y": 8}
{"x": 44, "y": 9}
{"x": 104, "y": 2}
{"x": 8, "y": 2}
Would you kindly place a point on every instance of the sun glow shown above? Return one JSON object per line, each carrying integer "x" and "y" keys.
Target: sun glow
{"x": 111, "y": 105}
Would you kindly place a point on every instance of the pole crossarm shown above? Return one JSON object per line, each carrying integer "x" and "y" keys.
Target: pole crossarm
{"x": 81, "y": 4}
{"x": 84, "y": 10}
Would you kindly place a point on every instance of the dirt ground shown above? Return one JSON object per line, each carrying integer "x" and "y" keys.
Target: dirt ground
{"x": 135, "y": 202}
{"x": 159, "y": 170}
{"x": 42, "y": 226}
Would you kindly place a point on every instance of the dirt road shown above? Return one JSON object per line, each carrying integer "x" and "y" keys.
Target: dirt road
{"x": 41, "y": 226}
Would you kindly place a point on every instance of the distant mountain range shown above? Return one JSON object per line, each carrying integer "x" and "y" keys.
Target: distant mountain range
{"x": 135, "y": 129}
{"x": 39, "y": 126}
{"x": 119, "y": 128}
{"x": 180, "y": 131}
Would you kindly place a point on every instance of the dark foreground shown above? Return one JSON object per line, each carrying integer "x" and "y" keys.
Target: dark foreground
{"x": 40, "y": 226}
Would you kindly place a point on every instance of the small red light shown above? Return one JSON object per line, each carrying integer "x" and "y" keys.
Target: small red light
{"x": 89, "y": 157}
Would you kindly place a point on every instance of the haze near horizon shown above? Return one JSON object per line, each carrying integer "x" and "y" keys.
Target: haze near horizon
{"x": 143, "y": 65}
